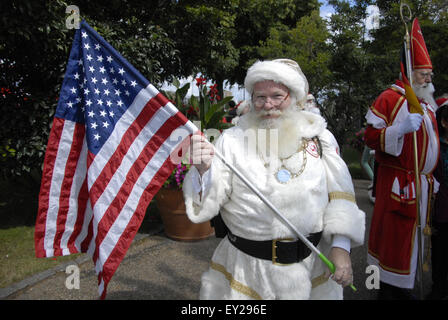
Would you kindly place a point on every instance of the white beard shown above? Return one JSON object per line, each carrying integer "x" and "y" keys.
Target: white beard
{"x": 426, "y": 92}
{"x": 282, "y": 136}
{"x": 272, "y": 123}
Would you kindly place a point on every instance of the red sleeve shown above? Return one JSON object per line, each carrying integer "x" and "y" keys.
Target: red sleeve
{"x": 374, "y": 138}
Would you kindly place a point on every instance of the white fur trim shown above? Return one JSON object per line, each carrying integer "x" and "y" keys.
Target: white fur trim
{"x": 343, "y": 217}
{"x": 281, "y": 72}
{"x": 194, "y": 208}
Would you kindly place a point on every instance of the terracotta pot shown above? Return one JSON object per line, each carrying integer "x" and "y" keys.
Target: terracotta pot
{"x": 171, "y": 206}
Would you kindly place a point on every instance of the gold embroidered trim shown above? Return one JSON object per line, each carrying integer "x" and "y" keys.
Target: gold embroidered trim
{"x": 339, "y": 195}
{"x": 425, "y": 145}
{"x": 383, "y": 139}
{"x": 397, "y": 198}
{"x": 319, "y": 280}
{"x": 379, "y": 115}
{"x": 383, "y": 266}
{"x": 396, "y": 108}
{"x": 234, "y": 284}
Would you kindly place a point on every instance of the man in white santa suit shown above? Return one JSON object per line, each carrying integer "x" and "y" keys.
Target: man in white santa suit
{"x": 303, "y": 177}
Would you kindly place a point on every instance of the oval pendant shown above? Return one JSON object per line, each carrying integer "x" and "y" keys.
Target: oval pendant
{"x": 283, "y": 175}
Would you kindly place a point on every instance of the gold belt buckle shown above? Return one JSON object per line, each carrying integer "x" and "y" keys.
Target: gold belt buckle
{"x": 274, "y": 251}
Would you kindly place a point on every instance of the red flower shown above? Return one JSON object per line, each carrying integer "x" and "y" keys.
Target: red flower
{"x": 191, "y": 111}
{"x": 213, "y": 93}
{"x": 200, "y": 81}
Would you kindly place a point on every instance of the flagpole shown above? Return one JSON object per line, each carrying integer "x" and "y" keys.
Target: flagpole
{"x": 312, "y": 247}
{"x": 414, "y": 137}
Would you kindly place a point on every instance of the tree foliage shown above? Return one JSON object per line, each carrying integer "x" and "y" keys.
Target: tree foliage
{"x": 255, "y": 20}
{"x": 33, "y": 47}
{"x": 306, "y": 43}
{"x": 163, "y": 39}
{"x": 364, "y": 63}
{"x": 167, "y": 39}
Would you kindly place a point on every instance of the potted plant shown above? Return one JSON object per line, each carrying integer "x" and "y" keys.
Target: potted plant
{"x": 208, "y": 108}
{"x": 171, "y": 207}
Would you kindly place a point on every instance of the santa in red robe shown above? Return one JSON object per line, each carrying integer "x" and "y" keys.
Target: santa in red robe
{"x": 393, "y": 239}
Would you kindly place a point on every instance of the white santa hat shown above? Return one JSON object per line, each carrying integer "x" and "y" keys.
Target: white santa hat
{"x": 284, "y": 71}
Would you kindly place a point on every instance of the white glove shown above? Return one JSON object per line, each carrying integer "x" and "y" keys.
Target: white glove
{"x": 412, "y": 123}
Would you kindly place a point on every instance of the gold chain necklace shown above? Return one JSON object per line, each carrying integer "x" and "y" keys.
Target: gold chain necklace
{"x": 283, "y": 175}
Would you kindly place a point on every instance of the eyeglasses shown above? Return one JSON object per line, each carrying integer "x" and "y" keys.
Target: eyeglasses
{"x": 426, "y": 74}
{"x": 275, "y": 101}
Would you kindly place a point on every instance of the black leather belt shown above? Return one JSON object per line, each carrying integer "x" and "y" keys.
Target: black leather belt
{"x": 279, "y": 251}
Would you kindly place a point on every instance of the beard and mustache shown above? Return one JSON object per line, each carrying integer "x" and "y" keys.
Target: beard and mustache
{"x": 270, "y": 123}
{"x": 274, "y": 136}
{"x": 426, "y": 92}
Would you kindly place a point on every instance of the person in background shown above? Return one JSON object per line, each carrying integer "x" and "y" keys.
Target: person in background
{"x": 439, "y": 236}
{"x": 231, "y": 111}
{"x": 368, "y": 164}
{"x": 393, "y": 239}
{"x": 311, "y": 104}
{"x": 242, "y": 108}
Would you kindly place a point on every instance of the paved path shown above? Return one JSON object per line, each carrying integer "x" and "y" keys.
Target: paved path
{"x": 157, "y": 268}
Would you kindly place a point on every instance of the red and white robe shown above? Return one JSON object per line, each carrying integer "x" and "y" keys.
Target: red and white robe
{"x": 393, "y": 235}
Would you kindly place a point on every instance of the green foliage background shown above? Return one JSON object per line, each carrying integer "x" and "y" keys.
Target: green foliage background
{"x": 167, "y": 39}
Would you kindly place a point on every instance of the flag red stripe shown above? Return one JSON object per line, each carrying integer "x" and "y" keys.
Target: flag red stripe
{"x": 66, "y": 186}
{"x": 131, "y": 178}
{"x": 82, "y": 200}
{"x": 161, "y": 99}
{"x": 85, "y": 243}
{"x": 131, "y": 134}
{"x": 120, "y": 249}
{"x": 44, "y": 195}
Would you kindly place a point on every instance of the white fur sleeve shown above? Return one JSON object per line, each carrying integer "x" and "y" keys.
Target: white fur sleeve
{"x": 342, "y": 215}
{"x": 216, "y": 193}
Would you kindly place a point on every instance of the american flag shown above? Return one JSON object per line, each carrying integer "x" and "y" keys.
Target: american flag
{"x": 110, "y": 150}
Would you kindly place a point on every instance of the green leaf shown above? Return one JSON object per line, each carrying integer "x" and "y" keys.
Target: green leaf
{"x": 213, "y": 109}
{"x": 182, "y": 92}
{"x": 176, "y": 83}
{"x": 207, "y": 106}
